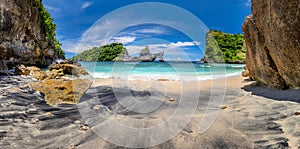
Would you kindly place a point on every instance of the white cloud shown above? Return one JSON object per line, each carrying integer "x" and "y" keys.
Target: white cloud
{"x": 151, "y": 31}
{"x": 185, "y": 44}
{"x": 124, "y": 39}
{"x": 247, "y": 3}
{"x": 175, "y": 44}
{"x": 178, "y": 59}
{"x": 86, "y": 5}
{"x": 70, "y": 45}
{"x": 49, "y": 8}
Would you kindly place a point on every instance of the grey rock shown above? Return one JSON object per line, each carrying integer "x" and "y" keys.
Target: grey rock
{"x": 23, "y": 39}
{"x": 145, "y": 56}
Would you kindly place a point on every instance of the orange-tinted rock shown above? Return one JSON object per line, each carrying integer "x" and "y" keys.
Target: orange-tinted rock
{"x": 245, "y": 73}
{"x": 272, "y": 36}
{"x": 32, "y": 71}
{"x": 69, "y": 69}
{"x": 62, "y": 91}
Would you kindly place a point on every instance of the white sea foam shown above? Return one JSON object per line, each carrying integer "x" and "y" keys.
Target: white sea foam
{"x": 238, "y": 66}
{"x": 171, "y": 77}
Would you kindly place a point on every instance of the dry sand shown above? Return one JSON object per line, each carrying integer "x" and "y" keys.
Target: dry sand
{"x": 249, "y": 117}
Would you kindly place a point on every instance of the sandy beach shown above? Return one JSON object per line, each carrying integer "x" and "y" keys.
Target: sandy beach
{"x": 249, "y": 117}
{"x": 252, "y": 116}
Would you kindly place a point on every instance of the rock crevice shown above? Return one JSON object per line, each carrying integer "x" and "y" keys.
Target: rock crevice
{"x": 272, "y": 36}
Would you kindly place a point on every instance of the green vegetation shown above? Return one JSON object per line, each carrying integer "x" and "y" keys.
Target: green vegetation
{"x": 108, "y": 52}
{"x": 49, "y": 27}
{"x": 111, "y": 51}
{"x": 223, "y": 47}
{"x": 88, "y": 55}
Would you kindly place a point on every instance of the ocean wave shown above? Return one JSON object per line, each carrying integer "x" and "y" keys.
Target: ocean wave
{"x": 165, "y": 77}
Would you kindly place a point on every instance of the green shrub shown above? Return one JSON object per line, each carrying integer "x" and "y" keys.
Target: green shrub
{"x": 224, "y": 47}
{"x": 108, "y": 52}
{"x": 46, "y": 22}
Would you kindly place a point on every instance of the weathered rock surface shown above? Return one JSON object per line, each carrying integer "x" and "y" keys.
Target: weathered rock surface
{"x": 59, "y": 91}
{"x": 23, "y": 39}
{"x": 272, "y": 37}
{"x": 3, "y": 67}
{"x": 68, "y": 69}
{"x": 55, "y": 71}
{"x": 145, "y": 56}
{"x": 57, "y": 87}
{"x": 32, "y": 71}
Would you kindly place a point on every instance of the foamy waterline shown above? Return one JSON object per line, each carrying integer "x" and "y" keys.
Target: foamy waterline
{"x": 170, "y": 77}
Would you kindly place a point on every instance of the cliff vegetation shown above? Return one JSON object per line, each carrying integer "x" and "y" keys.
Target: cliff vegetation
{"x": 224, "y": 47}
{"x": 103, "y": 53}
{"x": 46, "y": 21}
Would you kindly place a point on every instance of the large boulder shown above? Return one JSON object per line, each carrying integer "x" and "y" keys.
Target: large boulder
{"x": 272, "y": 36}
{"x": 59, "y": 91}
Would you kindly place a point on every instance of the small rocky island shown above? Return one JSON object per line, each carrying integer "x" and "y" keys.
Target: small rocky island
{"x": 145, "y": 56}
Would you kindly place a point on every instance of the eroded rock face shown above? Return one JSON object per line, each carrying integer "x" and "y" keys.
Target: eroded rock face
{"x": 68, "y": 69}
{"x": 272, "y": 37}
{"x": 57, "y": 87}
{"x": 59, "y": 91}
{"x": 23, "y": 39}
{"x": 32, "y": 71}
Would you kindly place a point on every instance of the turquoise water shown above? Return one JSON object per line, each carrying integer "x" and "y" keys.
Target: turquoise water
{"x": 159, "y": 70}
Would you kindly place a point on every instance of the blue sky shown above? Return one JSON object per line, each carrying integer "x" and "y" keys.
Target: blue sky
{"x": 75, "y": 18}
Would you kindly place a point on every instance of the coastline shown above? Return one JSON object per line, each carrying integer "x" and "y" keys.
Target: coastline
{"x": 252, "y": 117}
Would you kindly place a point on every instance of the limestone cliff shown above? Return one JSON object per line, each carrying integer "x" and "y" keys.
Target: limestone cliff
{"x": 23, "y": 37}
{"x": 272, "y": 35}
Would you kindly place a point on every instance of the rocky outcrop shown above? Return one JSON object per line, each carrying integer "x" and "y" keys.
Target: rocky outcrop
{"x": 60, "y": 84}
{"x": 55, "y": 71}
{"x": 145, "y": 56}
{"x": 23, "y": 38}
{"x": 32, "y": 71}
{"x": 272, "y": 37}
{"x": 59, "y": 91}
{"x": 68, "y": 69}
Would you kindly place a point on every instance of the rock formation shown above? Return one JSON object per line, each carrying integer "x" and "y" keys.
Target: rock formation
{"x": 272, "y": 37}
{"x": 23, "y": 38}
{"x": 145, "y": 56}
{"x": 60, "y": 91}
{"x": 60, "y": 84}
{"x": 68, "y": 69}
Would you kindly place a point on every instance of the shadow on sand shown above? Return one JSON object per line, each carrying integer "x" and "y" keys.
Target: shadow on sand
{"x": 280, "y": 95}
